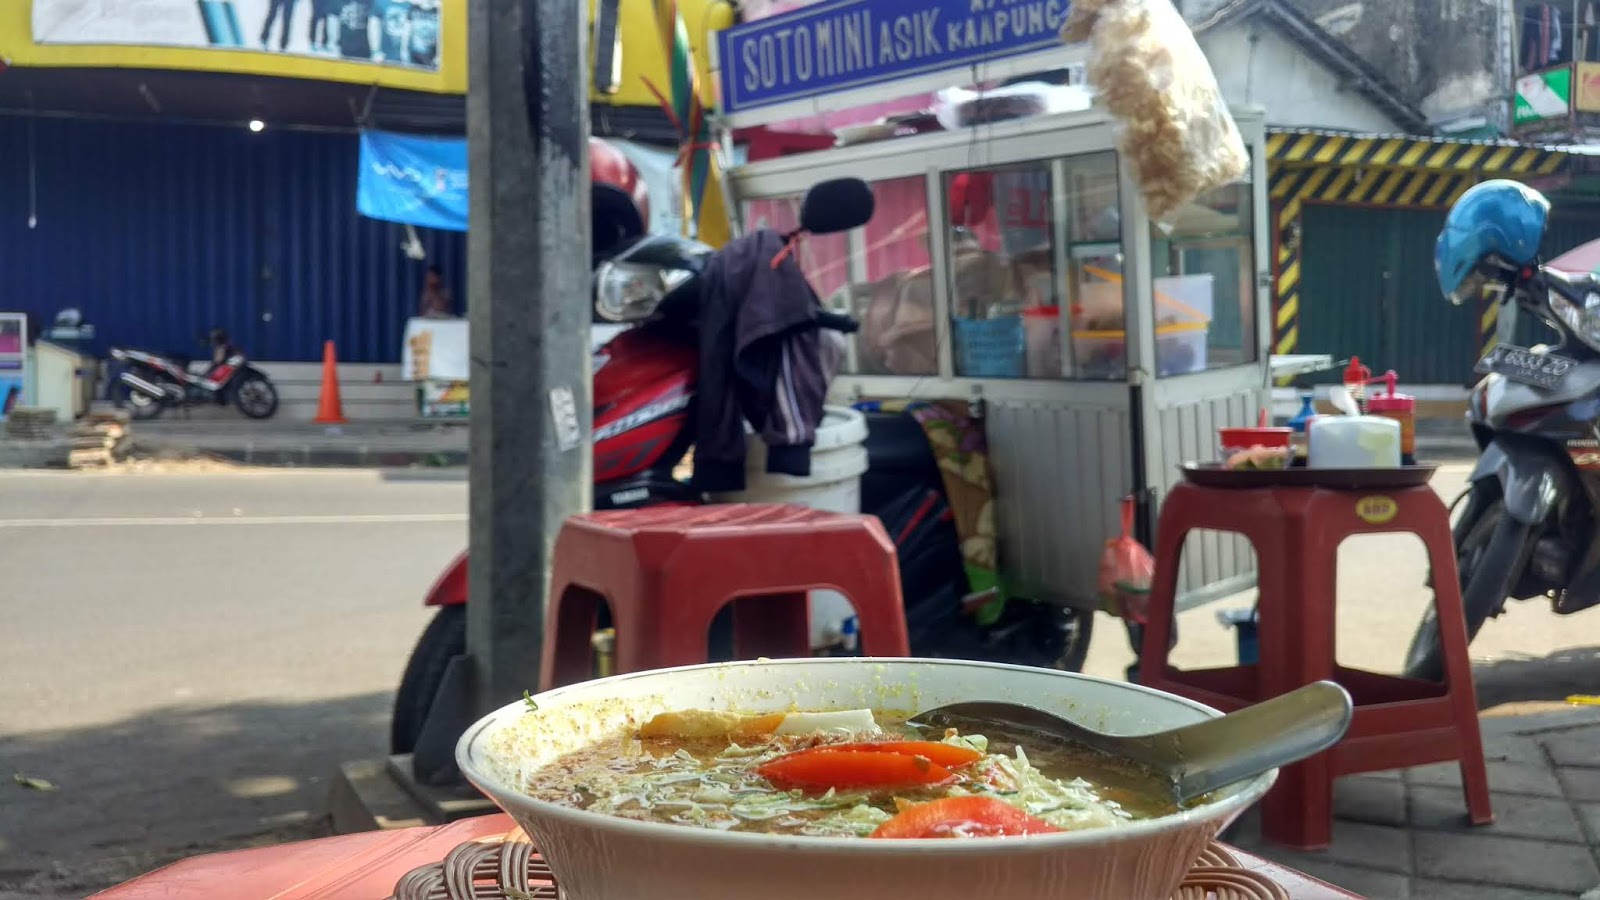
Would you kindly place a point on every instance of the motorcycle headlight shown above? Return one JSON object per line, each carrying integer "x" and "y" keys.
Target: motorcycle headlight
{"x": 1583, "y": 320}
{"x": 628, "y": 292}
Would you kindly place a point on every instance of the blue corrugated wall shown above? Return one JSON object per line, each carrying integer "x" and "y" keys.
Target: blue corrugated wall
{"x": 159, "y": 231}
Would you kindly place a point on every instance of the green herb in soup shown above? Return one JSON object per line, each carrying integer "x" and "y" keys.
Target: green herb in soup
{"x": 847, "y": 774}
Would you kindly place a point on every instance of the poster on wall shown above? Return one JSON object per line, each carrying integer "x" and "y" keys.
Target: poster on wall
{"x": 445, "y": 400}
{"x": 13, "y": 360}
{"x": 436, "y": 349}
{"x": 1543, "y": 95}
{"x": 1586, "y": 92}
{"x": 412, "y": 44}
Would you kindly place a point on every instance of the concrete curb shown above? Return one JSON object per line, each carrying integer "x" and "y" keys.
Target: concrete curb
{"x": 303, "y": 455}
{"x": 52, "y": 453}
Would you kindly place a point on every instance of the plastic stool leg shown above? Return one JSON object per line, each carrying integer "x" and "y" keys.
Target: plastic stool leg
{"x": 880, "y": 619}
{"x": 1162, "y": 611}
{"x": 568, "y": 651}
{"x": 1453, "y": 639}
{"x": 1298, "y": 811}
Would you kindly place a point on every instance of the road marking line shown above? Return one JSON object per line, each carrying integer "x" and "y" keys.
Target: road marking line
{"x": 109, "y": 522}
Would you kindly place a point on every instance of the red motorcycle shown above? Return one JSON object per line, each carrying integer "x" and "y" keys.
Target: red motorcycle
{"x": 644, "y": 391}
{"x": 150, "y": 382}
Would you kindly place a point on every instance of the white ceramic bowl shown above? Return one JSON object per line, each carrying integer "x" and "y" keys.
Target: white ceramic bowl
{"x": 597, "y": 857}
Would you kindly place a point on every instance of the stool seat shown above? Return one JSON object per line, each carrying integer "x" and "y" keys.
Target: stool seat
{"x": 665, "y": 572}
{"x": 1296, "y": 532}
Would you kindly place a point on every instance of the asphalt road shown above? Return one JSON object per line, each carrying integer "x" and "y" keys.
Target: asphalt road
{"x": 188, "y": 657}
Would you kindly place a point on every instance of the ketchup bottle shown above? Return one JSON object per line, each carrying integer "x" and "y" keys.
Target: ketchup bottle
{"x": 1356, "y": 377}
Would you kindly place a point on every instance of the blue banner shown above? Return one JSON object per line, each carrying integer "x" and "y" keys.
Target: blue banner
{"x": 413, "y": 180}
{"x": 840, "y": 45}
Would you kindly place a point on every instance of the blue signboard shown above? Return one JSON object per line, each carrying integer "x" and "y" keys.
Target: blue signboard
{"x": 839, "y": 45}
{"x": 413, "y": 180}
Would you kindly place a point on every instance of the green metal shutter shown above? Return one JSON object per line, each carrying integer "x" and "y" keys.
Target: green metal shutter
{"x": 1368, "y": 289}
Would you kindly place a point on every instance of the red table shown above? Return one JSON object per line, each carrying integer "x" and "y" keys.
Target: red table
{"x": 366, "y": 866}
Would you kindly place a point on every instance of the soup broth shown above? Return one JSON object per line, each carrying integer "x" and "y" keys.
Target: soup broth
{"x": 865, "y": 780}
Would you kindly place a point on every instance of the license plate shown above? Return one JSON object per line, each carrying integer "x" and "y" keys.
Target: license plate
{"x": 1541, "y": 370}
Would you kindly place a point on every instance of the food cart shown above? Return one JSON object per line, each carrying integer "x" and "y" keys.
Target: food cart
{"x": 1010, "y": 264}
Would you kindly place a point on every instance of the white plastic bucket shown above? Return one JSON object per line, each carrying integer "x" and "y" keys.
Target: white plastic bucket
{"x": 838, "y": 460}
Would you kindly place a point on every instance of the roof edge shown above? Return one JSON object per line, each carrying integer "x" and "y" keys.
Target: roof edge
{"x": 1325, "y": 49}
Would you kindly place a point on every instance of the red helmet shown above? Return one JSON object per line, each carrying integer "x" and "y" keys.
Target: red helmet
{"x": 619, "y": 199}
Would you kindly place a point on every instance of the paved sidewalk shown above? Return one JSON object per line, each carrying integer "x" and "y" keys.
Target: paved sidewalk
{"x": 1405, "y": 835}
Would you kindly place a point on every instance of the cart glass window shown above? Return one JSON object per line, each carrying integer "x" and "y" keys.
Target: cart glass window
{"x": 824, "y": 258}
{"x": 1027, "y": 242}
{"x": 877, "y": 274}
{"x": 893, "y": 299}
{"x": 1203, "y": 286}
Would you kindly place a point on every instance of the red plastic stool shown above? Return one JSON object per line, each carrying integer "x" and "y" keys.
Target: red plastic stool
{"x": 665, "y": 573}
{"x": 1399, "y": 722}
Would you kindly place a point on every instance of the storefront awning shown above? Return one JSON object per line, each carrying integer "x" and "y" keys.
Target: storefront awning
{"x": 1401, "y": 170}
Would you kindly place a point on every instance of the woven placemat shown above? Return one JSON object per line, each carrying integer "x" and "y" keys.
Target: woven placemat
{"x": 508, "y": 868}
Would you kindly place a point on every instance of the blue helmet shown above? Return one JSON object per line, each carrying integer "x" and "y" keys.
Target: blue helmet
{"x": 1496, "y": 223}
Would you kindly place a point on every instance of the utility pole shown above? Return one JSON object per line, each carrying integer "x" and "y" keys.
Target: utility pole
{"x": 529, "y": 290}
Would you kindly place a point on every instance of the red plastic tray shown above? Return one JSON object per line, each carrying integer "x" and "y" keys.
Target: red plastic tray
{"x": 1211, "y": 474}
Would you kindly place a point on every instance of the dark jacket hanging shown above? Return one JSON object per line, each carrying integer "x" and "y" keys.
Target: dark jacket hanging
{"x": 760, "y": 362}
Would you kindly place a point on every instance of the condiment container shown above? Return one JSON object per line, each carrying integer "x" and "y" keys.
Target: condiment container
{"x": 1356, "y": 377}
{"x": 1354, "y": 442}
{"x": 1400, "y": 407}
{"x": 1308, "y": 411}
{"x": 1234, "y": 440}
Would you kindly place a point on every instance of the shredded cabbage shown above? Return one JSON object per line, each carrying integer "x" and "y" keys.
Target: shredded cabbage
{"x": 722, "y": 790}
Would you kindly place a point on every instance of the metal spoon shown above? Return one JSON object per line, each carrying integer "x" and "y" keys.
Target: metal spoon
{"x": 1196, "y": 759}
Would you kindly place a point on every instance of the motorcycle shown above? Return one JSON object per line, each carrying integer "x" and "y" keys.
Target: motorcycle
{"x": 151, "y": 382}
{"x": 644, "y": 393}
{"x": 1526, "y": 526}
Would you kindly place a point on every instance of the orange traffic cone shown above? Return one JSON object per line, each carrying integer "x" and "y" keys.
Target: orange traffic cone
{"x": 330, "y": 409}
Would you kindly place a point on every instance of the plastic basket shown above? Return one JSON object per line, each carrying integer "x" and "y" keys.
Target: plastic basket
{"x": 990, "y": 348}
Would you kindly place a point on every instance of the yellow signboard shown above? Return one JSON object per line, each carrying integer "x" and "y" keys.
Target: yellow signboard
{"x": 404, "y": 44}
{"x": 644, "y": 59}
{"x": 408, "y": 44}
{"x": 1586, "y": 93}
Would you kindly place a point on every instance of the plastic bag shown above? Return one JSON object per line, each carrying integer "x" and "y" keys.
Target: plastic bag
{"x": 1174, "y": 127}
{"x": 1126, "y": 569}
{"x": 957, "y": 108}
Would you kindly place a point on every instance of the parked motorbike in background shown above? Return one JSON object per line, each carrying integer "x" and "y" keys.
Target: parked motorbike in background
{"x": 645, "y": 384}
{"x": 1526, "y": 526}
{"x": 148, "y": 382}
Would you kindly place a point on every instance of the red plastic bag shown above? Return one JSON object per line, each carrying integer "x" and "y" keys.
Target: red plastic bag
{"x": 1126, "y": 568}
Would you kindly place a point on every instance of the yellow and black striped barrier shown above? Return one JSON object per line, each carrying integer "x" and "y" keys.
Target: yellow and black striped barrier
{"x": 1305, "y": 147}
{"x": 1488, "y": 321}
{"x": 1383, "y": 172}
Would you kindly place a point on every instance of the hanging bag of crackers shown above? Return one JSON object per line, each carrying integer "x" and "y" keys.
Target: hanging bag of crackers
{"x": 1174, "y": 127}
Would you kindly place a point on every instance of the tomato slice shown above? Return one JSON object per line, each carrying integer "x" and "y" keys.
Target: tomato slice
{"x": 962, "y": 817}
{"x": 822, "y": 768}
{"x": 947, "y": 755}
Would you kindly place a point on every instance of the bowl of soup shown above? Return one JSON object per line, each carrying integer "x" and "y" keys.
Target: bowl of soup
{"x": 805, "y": 779}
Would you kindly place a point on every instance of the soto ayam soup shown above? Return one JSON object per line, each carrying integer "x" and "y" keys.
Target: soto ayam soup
{"x": 848, "y": 774}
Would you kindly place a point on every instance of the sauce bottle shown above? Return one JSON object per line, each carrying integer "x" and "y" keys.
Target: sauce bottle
{"x": 1403, "y": 409}
{"x": 1299, "y": 423}
{"x": 1356, "y": 377}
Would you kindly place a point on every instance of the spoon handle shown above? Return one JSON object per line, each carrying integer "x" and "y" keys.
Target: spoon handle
{"x": 1244, "y": 744}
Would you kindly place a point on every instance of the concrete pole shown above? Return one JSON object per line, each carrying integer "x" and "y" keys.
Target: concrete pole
{"x": 529, "y": 290}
